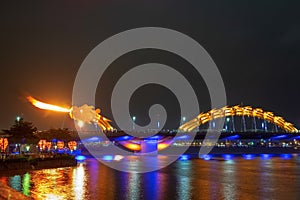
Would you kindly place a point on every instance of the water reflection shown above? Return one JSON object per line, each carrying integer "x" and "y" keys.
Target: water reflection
{"x": 15, "y": 182}
{"x": 79, "y": 181}
{"x": 134, "y": 185}
{"x": 229, "y": 179}
{"x": 184, "y": 180}
{"x": 26, "y": 184}
{"x": 224, "y": 177}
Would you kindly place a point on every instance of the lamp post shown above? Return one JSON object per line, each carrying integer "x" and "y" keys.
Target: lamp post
{"x": 80, "y": 124}
{"x": 183, "y": 120}
{"x": 133, "y": 122}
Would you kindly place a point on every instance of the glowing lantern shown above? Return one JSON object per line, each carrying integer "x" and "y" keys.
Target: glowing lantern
{"x": 72, "y": 145}
{"x": 48, "y": 145}
{"x": 3, "y": 144}
{"x": 60, "y": 144}
{"x": 42, "y": 144}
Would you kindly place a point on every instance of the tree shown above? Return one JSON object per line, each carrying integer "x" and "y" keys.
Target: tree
{"x": 58, "y": 134}
{"x": 22, "y": 132}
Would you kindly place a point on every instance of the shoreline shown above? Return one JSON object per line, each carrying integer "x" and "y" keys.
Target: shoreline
{"x": 7, "y": 192}
{"x": 23, "y": 163}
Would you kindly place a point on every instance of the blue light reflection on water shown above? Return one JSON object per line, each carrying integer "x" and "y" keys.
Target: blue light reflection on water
{"x": 265, "y": 156}
{"x": 107, "y": 158}
{"x": 248, "y": 156}
{"x": 207, "y": 157}
{"x": 180, "y": 181}
{"x": 184, "y": 157}
{"x": 80, "y": 158}
{"x": 228, "y": 156}
{"x": 286, "y": 156}
{"x": 183, "y": 186}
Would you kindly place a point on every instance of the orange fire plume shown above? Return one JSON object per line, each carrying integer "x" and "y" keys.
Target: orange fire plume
{"x": 82, "y": 114}
{"x": 46, "y": 106}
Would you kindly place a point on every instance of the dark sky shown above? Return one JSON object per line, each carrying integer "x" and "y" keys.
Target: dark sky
{"x": 256, "y": 46}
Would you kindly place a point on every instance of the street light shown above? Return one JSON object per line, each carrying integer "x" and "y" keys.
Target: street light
{"x": 18, "y": 118}
{"x": 133, "y": 122}
{"x": 80, "y": 124}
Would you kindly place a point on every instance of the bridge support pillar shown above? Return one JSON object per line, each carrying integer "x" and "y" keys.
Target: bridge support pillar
{"x": 149, "y": 146}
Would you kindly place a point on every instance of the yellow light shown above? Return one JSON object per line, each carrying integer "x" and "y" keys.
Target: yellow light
{"x": 83, "y": 114}
{"x": 162, "y": 146}
{"x": 132, "y": 146}
{"x": 237, "y": 110}
{"x": 46, "y": 106}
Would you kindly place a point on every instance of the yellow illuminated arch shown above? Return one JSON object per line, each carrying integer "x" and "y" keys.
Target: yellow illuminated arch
{"x": 237, "y": 110}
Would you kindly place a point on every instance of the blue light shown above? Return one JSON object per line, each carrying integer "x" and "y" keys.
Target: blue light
{"x": 108, "y": 158}
{"x": 228, "y": 156}
{"x": 154, "y": 137}
{"x": 207, "y": 157}
{"x": 182, "y": 137}
{"x": 248, "y": 156}
{"x": 278, "y": 137}
{"x": 60, "y": 151}
{"x": 231, "y": 137}
{"x": 184, "y": 157}
{"x": 92, "y": 139}
{"x": 80, "y": 158}
{"x": 297, "y": 137}
{"x": 122, "y": 138}
{"x": 265, "y": 156}
{"x": 286, "y": 156}
{"x": 150, "y": 141}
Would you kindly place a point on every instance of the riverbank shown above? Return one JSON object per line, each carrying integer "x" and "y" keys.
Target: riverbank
{"x": 27, "y": 163}
{"x": 9, "y": 193}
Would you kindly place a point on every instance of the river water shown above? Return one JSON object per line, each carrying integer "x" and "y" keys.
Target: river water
{"x": 242, "y": 177}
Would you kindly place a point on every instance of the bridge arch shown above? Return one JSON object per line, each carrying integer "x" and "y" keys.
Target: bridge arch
{"x": 237, "y": 110}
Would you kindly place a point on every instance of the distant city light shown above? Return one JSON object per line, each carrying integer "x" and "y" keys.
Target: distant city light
{"x": 80, "y": 124}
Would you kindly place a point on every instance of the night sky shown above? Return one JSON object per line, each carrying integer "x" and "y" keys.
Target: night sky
{"x": 256, "y": 46}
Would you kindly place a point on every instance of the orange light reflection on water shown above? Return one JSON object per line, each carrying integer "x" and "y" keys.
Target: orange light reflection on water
{"x": 54, "y": 184}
